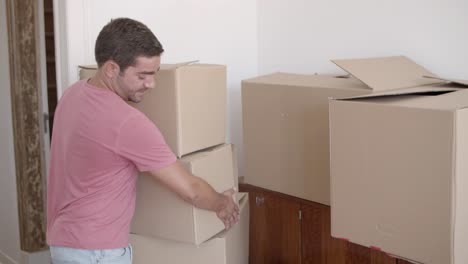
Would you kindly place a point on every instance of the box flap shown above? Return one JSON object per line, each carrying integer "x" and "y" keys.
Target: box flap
{"x": 308, "y": 80}
{"x": 428, "y": 90}
{"x": 203, "y": 153}
{"x": 387, "y": 72}
{"x": 177, "y": 65}
{"x": 88, "y": 67}
{"x": 241, "y": 198}
{"x": 439, "y": 98}
{"x": 460, "y": 82}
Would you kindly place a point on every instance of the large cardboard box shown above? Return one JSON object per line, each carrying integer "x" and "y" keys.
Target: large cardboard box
{"x": 161, "y": 213}
{"x": 285, "y": 124}
{"x": 188, "y": 105}
{"x": 399, "y": 176}
{"x": 228, "y": 247}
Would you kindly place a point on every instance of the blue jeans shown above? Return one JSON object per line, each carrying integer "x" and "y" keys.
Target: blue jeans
{"x": 64, "y": 255}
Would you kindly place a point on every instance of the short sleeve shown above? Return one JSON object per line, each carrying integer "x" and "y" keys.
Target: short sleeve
{"x": 141, "y": 142}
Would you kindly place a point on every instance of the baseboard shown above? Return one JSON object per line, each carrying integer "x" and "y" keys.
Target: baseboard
{"x": 4, "y": 259}
{"x": 40, "y": 257}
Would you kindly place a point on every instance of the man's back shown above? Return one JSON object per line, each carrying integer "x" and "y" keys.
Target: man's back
{"x": 99, "y": 143}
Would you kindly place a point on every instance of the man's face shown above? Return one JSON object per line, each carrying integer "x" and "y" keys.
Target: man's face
{"x": 137, "y": 79}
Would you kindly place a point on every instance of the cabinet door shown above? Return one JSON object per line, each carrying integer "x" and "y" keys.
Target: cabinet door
{"x": 400, "y": 261}
{"x": 319, "y": 247}
{"x": 275, "y": 231}
{"x": 357, "y": 254}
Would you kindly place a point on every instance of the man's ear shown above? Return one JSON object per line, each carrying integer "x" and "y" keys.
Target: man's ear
{"x": 111, "y": 69}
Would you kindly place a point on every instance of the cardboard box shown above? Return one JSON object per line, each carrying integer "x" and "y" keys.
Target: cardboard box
{"x": 398, "y": 163}
{"x": 87, "y": 71}
{"x": 285, "y": 124}
{"x": 188, "y": 105}
{"x": 161, "y": 213}
{"x": 231, "y": 247}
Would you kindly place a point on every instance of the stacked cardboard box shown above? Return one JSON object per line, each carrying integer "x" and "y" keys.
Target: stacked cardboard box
{"x": 181, "y": 221}
{"x": 188, "y": 105}
{"x": 229, "y": 247}
{"x": 286, "y": 129}
{"x": 285, "y": 122}
{"x": 398, "y": 162}
{"x": 389, "y": 159}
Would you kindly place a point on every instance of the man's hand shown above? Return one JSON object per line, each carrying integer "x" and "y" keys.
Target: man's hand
{"x": 229, "y": 211}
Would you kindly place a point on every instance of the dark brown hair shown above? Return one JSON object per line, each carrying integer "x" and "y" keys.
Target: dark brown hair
{"x": 123, "y": 40}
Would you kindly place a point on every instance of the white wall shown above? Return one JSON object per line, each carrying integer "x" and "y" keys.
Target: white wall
{"x": 264, "y": 36}
{"x": 211, "y": 31}
{"x": 9, "y": 227}
{"x": 301, "y": 36}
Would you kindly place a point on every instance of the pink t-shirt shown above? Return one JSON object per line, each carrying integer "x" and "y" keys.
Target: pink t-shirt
{"x": 99, "y": 143}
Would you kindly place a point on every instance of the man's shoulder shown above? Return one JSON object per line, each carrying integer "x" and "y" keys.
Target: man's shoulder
{"x": 73, "y": 88}
{"x": 136, "y": 115}
{"x": 130, "y": 113}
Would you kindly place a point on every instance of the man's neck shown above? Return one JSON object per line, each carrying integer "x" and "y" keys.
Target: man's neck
{"x": 101, "y": 81}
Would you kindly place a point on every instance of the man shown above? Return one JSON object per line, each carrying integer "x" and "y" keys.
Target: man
{"x": 99, "y": 145}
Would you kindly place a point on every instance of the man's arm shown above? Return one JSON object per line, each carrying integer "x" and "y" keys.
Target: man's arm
{"x": 198, "y": 192}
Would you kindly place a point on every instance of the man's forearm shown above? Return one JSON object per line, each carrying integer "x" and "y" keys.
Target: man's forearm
{"x": 191, "y": 188}
{"x": 206, "y": 197}
{"x": 199, "y": 193}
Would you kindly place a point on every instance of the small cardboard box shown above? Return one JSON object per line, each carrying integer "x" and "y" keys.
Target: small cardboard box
{"x": 228, "y": 247}
{"x": 188, "y": 105}
{"x": 161, "y": 213}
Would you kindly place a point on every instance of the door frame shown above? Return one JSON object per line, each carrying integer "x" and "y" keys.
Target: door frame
{"x": 28, "y": 124}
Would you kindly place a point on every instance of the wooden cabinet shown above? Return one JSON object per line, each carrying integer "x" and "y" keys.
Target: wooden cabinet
{"x": 290, "y": 230}
{"x": 275, "y": 229}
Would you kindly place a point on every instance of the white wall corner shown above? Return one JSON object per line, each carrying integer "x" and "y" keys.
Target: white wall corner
{"x": 71, "y": 40}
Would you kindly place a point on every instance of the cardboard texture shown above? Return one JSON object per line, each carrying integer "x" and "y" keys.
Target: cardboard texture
{"x": 188, "y": 105}
{"x": 231, "y": 247}
{"x": 379, "y": 73}
{"x": 398, "y": 166}
{"x": 87, "y": 71}
{"x": 161, "y": 213}
{"x": 285, "y": 126}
